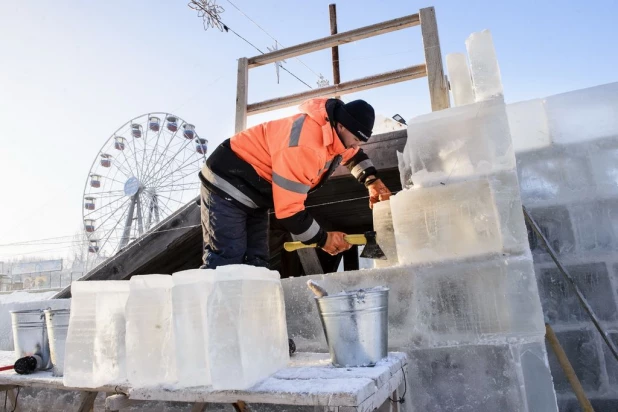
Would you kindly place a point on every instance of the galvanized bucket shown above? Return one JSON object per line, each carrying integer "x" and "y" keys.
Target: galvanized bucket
{"x": 356, "y": 326}
{"x": 30, "y": 336}
{"x": 57, "y": 321}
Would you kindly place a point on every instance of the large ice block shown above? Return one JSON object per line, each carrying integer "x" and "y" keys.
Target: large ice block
{"x": 481, "y": 379}
{"x": 79, "y": 347}
{"x": 109, "y": 344}
{"x": 151, "y": 353}
{"x": 476, "y": 217}
{"x": 476, "y": 302}
{"x": 604, "y": 162}
{"x": 528, "y": 123}
{"x": 556, "y": 175}
{"x": 189, "y": 296}
{"x": 245, "y": 325}
{"x": 484, "y": 66}
{"x": 95, "y": 345}
{"x": 446, "y": 304}
{"x": 454, "y": 144}
{"x": 460, "y": 79}
{"x": 584, "y": 114}
{"x": 385, "y": 233}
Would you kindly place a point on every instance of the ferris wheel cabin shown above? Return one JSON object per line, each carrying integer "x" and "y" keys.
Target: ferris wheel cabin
{"x": 136, "y": 130}
{"x": 189, "y": 131}
{"x": 89, "y": 225}
{"x": 95, "y": 181}
{"x": 154, "y": 123}
{"x": 106, "y": 160}
{"x": 120, "y": 142}
{"x": 89, "y": 203}
{"x": 93, "y": 247}
{"x": 201, "y": 146}
{"x": 172, "y": 123}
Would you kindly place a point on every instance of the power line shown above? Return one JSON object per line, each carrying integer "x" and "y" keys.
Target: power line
{"x": 271, "y": 36}
{"x": 203, "y": 11}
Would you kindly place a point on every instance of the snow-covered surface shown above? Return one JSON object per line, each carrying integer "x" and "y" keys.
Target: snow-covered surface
{"x": 309, "y": 379}
{"x": 22, "y": 296}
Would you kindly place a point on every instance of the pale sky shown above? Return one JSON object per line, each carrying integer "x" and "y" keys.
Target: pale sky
{"x": 72, "y": 72}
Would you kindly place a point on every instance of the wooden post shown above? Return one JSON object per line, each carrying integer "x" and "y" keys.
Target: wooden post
{"x": 568, "y": 369}
{"x": 87, "y": 401}
{"x": 438, "y": 90}
{"x": 332, "y": 10}
{"x": 242, "y": 95}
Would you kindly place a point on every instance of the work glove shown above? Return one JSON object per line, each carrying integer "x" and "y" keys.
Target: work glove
{"x": 377, "y": 191}
{"x": 335, "y": 243}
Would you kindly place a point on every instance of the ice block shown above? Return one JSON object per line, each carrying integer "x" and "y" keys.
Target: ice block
{"x": 188, "y": 300}
{"x": 459, "y": 143}
{"x": 385, "y": 234}
{"x": 151, "y": 352}
{"x": 484, "y": 66}
{"x": 460, "y": 79}
{"x": 245, "y": 325}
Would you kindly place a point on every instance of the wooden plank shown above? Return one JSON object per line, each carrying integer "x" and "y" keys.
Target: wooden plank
{"x": 148, "y": 255}
{"x": 336, "y": 40}
{"x": 438, "y": 90}
{"x": 242, "y": 95}
{"x": 199, "y": 407}
{"x": 13, "y": 399}
{"x": 317, "y": 392}
{"x": 365, "y": 83}
{"x": 87, "y": 402}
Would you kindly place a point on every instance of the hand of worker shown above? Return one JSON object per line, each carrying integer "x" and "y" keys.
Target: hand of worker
{"x": 335, "y": 243}
{"x": 377, "y": 191}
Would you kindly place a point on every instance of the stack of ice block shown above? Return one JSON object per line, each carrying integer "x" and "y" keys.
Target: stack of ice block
{"x": 459, "y": 227}
{"x": 385, "y": 232}
{"x": 224, "y": 328}
{"x": 95, "y": 345}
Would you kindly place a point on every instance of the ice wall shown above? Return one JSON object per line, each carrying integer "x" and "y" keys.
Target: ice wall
{"x": 569, "y": 183}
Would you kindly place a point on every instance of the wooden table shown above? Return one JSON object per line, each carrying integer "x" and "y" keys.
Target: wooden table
{"x": 308, "y": 380}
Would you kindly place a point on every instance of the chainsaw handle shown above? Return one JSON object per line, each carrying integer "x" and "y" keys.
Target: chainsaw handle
{"x": 351, "y": 239}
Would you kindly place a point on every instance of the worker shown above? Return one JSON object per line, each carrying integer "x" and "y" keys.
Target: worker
{"x": 275, "y": 165}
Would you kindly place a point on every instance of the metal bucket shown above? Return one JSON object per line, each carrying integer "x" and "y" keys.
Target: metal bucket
{"x": 30, "y": 336}
{"x": 356, "y": 326}
{"x": 57, "y": 321}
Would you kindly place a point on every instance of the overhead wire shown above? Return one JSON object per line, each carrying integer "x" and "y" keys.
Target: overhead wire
{"x": 194, "y": 3}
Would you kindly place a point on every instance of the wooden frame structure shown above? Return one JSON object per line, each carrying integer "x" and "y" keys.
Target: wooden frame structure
{"x": 432, "y": 68}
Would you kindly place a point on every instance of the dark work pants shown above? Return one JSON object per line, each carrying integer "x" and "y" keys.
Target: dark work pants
{"x": 231, "y": 235}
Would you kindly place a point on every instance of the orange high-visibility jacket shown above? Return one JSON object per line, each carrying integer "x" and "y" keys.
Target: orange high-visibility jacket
{"x": 276, "y": 164}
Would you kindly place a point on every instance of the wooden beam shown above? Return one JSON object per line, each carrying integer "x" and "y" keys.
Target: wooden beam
{"x": 87, "y": 401}
{"x": 336, "y": 40}
{"x": 242, "y": 95}
{"x": 396, "y": 76}
{"x": 332, "y": 11}
{"x": 438, "y": 90}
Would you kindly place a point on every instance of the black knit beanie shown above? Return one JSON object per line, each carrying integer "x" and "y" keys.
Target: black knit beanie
{"x": 357, "y": 116}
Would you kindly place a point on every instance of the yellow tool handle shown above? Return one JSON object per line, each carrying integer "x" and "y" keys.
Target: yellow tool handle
{"x": 352, "y": 239}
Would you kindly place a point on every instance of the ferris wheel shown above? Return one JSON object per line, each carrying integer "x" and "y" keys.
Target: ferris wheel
{"x": 144, "y": 172}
